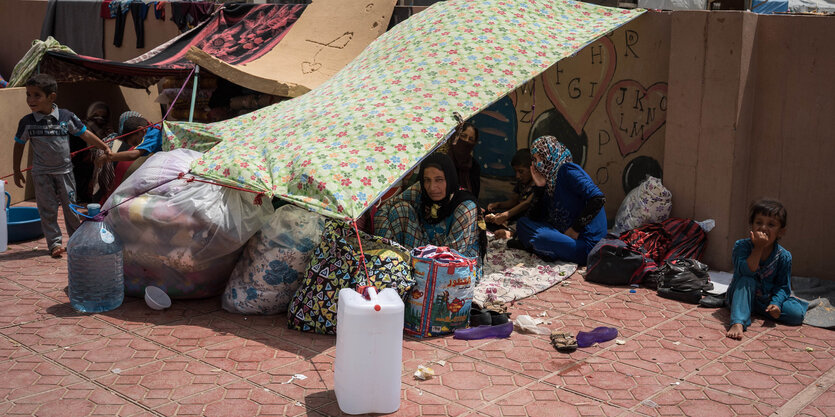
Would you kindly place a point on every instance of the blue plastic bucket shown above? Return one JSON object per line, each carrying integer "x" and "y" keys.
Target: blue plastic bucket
{"x": 24, "y": 223}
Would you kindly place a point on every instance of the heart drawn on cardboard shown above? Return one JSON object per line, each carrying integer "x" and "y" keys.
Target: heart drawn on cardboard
{"x": 635, "y": 112}
{"x": 582, "y": 79}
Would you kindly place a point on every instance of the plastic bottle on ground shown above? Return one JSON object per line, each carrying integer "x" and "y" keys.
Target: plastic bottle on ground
{"x": 94, "y": 262}
{"x": 369, "y": 351}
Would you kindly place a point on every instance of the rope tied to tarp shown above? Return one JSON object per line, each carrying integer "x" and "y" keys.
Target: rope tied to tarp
{"x": 258, "y": 194}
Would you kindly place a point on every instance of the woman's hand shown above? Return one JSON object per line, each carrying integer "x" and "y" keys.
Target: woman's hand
{"x": 493, "y": 206}
{"x": 538, "y": 178}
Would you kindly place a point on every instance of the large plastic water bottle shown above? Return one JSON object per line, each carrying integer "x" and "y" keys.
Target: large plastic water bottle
{"x": 94, "y": 261}
{"x": 369, "y": 351}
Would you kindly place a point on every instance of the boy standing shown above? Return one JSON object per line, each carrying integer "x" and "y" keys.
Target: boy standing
{"x": 48, "y": 129}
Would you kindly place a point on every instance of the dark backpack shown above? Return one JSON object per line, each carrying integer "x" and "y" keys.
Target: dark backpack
{"x": 612, "y": 262}
{"x": 681, "y": 279}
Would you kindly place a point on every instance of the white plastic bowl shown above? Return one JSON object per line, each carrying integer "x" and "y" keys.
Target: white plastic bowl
{"x": 156, "y": 298}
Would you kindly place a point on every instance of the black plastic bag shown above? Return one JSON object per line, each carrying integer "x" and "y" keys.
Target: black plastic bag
{"x": 612, "y": 262}
{"x": 682, "y": 279}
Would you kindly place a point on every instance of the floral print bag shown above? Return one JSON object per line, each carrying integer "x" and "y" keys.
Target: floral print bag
{"x": 273, "y": 263}
{"x": 336, "y": 265}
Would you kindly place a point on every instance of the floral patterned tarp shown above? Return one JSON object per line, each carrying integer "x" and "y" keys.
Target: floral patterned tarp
{"x": 513, "y": 274}
{"x": 338, "y": 148}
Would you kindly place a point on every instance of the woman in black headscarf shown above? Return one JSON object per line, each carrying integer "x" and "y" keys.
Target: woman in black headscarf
{"x": 461, "y": 152}
{"x": 433, "y": 211}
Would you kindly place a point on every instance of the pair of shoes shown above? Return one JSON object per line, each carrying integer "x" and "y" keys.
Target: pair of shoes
{"x": 598, "y": 335}
{"x": 479, "y": 317}
{"x": 712, "y": 301}
{"x": 484, "y": 332}
{"x": 487, "y": 317}
{"x": 563, "y": 342}
{"x": 57, "y": 251}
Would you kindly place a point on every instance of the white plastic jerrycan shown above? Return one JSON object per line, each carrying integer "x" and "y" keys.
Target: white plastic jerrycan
{"x": 369, "y": 351}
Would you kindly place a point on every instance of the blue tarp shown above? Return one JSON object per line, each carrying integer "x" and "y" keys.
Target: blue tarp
{"x": 770, "y": 6}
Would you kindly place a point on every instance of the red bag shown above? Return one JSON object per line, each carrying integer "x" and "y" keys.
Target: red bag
{"x": 672, "y": 238}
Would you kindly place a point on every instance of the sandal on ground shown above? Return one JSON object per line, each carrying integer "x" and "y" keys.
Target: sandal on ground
{"x": 563, "y": 342}
{"x": 57, "y": 251}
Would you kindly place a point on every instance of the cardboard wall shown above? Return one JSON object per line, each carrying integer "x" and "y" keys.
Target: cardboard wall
{"x": 12, "y": 107}
{"x": 792, "y": 131}
{"x": 607, "y": 103}
{"x": 751, "y": 105}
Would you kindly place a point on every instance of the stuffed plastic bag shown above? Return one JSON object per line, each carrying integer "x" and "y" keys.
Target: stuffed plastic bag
{"x": 650, "y": 202}
{"x": 184, "y": 237}
{"x": 273, "y": 263}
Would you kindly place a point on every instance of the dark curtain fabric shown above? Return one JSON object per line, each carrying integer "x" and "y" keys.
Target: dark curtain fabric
{"x": 63, "y": 20}
{"x": 237, "y": 33}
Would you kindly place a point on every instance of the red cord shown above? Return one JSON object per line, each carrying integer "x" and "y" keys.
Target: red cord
{"x": 362, "y": 254}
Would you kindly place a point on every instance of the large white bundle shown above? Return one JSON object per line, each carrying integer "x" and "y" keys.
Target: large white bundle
{"x": 184, "y": 237}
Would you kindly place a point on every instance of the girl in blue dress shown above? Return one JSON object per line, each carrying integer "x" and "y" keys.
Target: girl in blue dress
{"x": 762, "y": 272}
{"x": 566, "y": 218}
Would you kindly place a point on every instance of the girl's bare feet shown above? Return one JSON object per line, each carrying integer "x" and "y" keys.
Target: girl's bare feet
{"x": 735, "y": 332}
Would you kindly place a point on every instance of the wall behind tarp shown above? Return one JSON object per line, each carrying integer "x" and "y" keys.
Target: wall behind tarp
{"x": 607, "y": 103}
{"x": 751, "y": 104}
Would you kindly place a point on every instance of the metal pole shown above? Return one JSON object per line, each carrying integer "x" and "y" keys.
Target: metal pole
{"x": 194, "y": 86}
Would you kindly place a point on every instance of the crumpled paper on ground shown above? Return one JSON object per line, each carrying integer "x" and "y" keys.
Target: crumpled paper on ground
{"x": 528, "y": 324}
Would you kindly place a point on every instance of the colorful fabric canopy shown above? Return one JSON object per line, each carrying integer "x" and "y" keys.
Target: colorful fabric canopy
{"x": 235, "y": 34}
{"x": 338, "y": 148}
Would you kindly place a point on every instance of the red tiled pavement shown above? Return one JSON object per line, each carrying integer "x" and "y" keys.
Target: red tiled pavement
{"x": 196, "y": 359}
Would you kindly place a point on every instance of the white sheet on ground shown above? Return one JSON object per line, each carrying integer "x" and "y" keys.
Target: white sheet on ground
{"x": 721, "y": 280}
{"x": 513, "y": 274}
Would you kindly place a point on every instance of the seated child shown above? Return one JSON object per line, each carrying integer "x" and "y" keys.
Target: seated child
{"x": 503, "y": 212}
{"x": 762, "y": 272}
{"x": 145, "y": 141}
